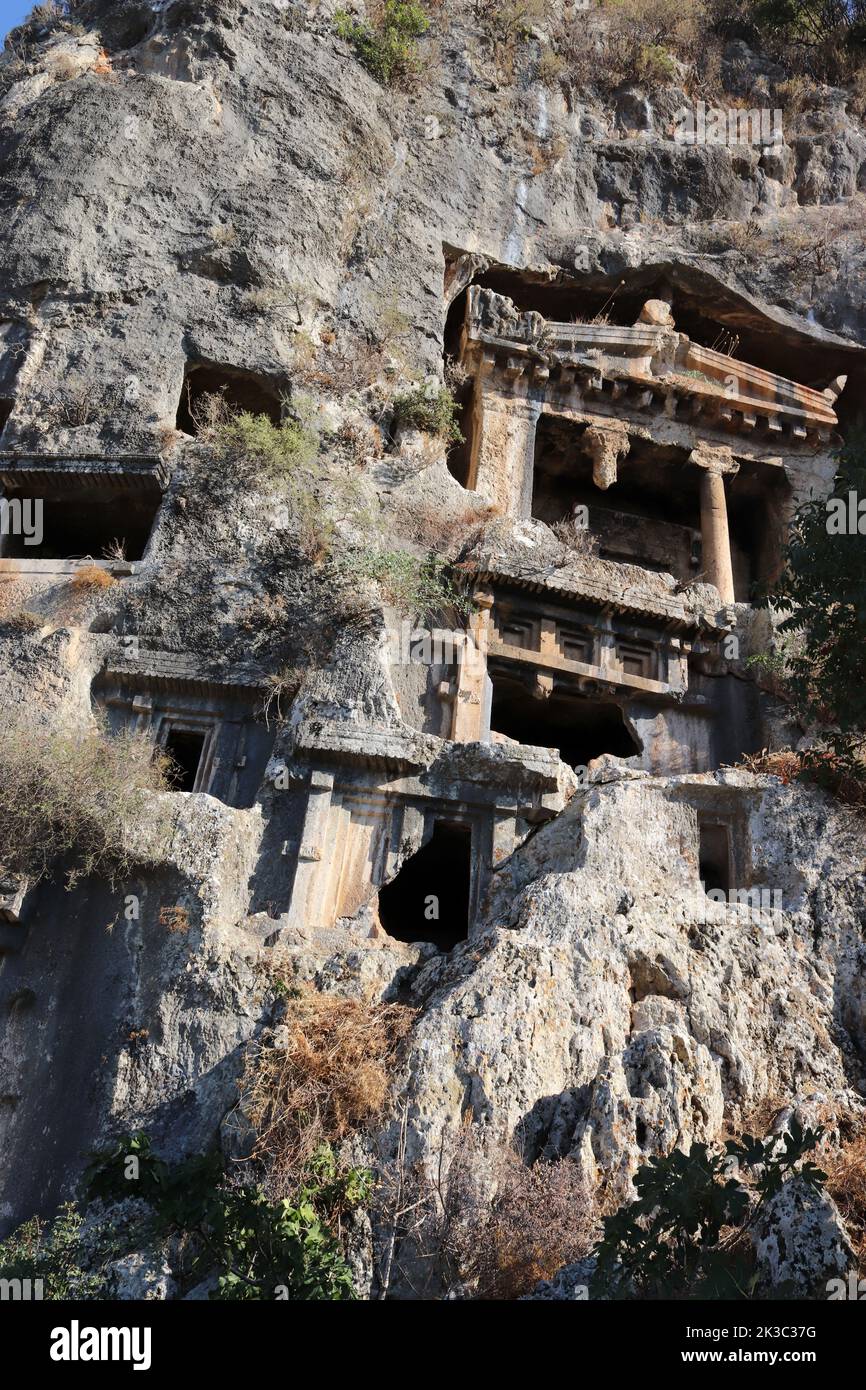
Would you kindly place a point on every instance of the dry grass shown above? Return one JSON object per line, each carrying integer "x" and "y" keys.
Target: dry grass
{"x": 321, "y": 1077}
{"x": 339, "y": 366}
{"x": 22, "y": 620}
{"x": 817, "y": 765}
{"x": 578, "y": 540}
{"x": 541, "y": 1218}
{"x": 546, "y": 154}
{"x": 447, "y": 531}
{"x": 846, "y": 1184}
{"x": 91, "y": 579}
{"x": 282, "y": 687}
{"x": 784, "y": 763}
{"x": 842, "y": 1158}
{"x": 758, "y": 1119}
{"x": 174, "y": 919}
{"x": 76, "y": 799}
{"x": 486, "y": 1221}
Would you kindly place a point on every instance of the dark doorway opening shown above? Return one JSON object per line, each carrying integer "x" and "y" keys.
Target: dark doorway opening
{"x": 75, "y": 525}
{"x": 759, "y": 499}
{"x": 241, "y": 391}
{"x": 714, "y": 857}
{"x": 429, "y": 898}
{"x": 462, "y": 386}
{"x": 184, "y": 747}
{"x": 580, "y": 727}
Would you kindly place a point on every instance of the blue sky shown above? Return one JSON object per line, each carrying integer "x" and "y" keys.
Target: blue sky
{"x": 12, "y": 12}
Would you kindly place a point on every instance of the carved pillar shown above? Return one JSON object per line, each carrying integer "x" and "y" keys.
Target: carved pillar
{"x": 309, "y": 891}
{"x": 715, "y": 535}
{"x": 549, "y": 646}
{"x": 606, "y": 447}
{"x": 504, "y": 451}
{"x": 468, "y": 723}
{"x": 604, "y": 653}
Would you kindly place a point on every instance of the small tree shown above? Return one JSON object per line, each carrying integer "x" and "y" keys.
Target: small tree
{"x": 821, "y": 597}
{"x": 77, "y": 799}
{"x": 679, "y": 1239}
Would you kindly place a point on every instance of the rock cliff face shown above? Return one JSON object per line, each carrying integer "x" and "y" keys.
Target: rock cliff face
{"x": 222, "y": 187}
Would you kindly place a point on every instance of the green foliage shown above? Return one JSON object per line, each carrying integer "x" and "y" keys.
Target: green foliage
{"x": 276, "y": 451}
{"x": 263, "y": 1247}
{"x": 811, "y": 22}
{"x": 250, "y": 450}
{"x": 821, "y": 598}
{"x": 255, "y": 1246}
{"x": 77, "y": 795}
{"x": 50, "y": 1252}
{"x": 419, "y": 587}
{"x": 823, "y": 40}
{"x": 656, "y": 63}
{"x": 429, "y": 408}
{"x": 388, "y": 48}
{"x": 669, "y": 1242}
{"x": 643, "y": 39}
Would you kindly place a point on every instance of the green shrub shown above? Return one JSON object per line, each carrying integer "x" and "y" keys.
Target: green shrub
{"x": 643, "y": 36}
{"x": 811, "y": 22}
{"x": 656, "y": 64}
{"x": 257, "y": 1248}
{"x": 275, "y": 451}
{"x": 669, "y": 1242}
{"x": 78, "y": 796}
{"x": 250, "y": 450}
{"x": 388, "y": 48}
{"x": 50, "y": 1252}
{"x": 821, "y": 600}
{"x": 429, "y": 408}
{"x": 419, "y": 587}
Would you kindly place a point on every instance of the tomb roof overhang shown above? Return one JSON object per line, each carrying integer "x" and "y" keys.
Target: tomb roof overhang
{"x": 632, "y": 600}
{"x": 439, "y": 762}
{"x": 144, "y": 473}
{"x": 178, "y": 671}
{"x": 644, "y": 366}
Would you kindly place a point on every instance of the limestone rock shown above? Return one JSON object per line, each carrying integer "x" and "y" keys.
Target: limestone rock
{"x": 801, "y": 1242}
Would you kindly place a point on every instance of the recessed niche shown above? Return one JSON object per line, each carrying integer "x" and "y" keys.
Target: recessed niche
{"x": 581, "y": 728}
{"x": 185, "y": 748}
{"x": 241, "y": 391}
{"x": 74, "y": 523}
{"x": 714, "y": 856}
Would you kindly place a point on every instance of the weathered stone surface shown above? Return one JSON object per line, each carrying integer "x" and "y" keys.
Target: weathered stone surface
{"x": 223, "y": 183}
{"x": 600, "y": 1016}
{"x": 801, "y": 1242}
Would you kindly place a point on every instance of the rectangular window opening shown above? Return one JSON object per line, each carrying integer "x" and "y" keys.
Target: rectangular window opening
{"x": 185, "y": 748}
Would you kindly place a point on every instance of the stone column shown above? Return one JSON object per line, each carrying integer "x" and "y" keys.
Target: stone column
{"x": 309, "y": 890}
{"x": 715, "y": 536}
{"x": 504, "y": 449}
{"x": 467, "y": 725}
{"x": 714, "y": 531}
